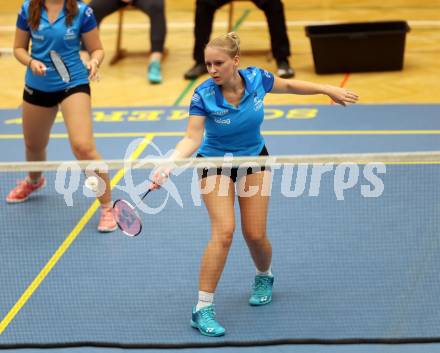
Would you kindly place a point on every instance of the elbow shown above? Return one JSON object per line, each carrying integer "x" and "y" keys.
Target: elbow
{"x": 16, "y": 51}
{"x": 290, "y": 87}
{"x": 196, "y": 141}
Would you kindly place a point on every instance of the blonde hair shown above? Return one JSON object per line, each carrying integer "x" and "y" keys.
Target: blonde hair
{"x": 229, "y": 43}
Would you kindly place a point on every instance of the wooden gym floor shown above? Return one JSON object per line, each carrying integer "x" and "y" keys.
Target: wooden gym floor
{"x": 125, "y": 83}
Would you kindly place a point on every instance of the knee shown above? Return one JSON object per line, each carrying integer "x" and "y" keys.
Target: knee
{"x": 35, "y": 146}
{"x": 254, "y": 236}
{"x": 223, "y": 235}
{"x": 84, "y": 150}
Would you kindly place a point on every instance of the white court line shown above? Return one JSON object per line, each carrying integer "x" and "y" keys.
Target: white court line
{"x": 250, "y": 24}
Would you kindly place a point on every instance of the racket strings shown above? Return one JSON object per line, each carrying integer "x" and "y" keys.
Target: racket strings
{"x": 127, "y": 218}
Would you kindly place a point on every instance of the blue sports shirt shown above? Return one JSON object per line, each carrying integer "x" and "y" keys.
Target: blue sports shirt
{"x": 61, "y": 38}
{"x": 229, "y": 129}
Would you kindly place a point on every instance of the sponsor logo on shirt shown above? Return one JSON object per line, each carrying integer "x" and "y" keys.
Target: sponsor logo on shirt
{"x": 36, "y": 36}
{"x": 251, "y": 76}
{"x": 195, "y": 98}
{"x": 89, "y": 12}
{"x": 258, "y": 102}
{"x": 222, "y": 121}
{"x": 221, "y": 112}
{"x": 70, "y": 34}
{"x": 210, "y": 93}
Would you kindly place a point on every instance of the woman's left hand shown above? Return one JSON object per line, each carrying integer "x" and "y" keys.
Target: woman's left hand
{"x": 93, "y": 67}
{"x": 341, "y": 95}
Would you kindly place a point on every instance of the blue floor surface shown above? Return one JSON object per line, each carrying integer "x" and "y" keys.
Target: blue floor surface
{"x": 362, "y": 268}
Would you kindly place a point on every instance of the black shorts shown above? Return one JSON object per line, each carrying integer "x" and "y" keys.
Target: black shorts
{"x": 51, "y": 99}
{"x": 233, "y": 173}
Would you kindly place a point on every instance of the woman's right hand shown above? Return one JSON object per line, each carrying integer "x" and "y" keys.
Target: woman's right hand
{"x": 160, "y": 176}
{"x": 37, "y": 67}
{"x": 93, "y": 67}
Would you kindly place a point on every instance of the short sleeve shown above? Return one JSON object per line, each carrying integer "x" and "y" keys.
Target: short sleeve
{"x": 267, "y": 79}
{"x": 197, "y": 107}
{"x": 22, "y": 21}
{"x": 88, "y": 21}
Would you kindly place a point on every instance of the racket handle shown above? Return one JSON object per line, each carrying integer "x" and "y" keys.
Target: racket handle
{"x": 144, "y": 195}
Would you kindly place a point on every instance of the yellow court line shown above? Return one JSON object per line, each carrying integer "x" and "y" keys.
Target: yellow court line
{"x": 67, "y": 242}
{"x": 264, "y": 132}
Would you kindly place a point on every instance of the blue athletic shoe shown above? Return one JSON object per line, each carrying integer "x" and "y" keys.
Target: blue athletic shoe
{"x": 154, "y": 74}
{"x": 261, "y": 290}
{"x": 204, "y": 320}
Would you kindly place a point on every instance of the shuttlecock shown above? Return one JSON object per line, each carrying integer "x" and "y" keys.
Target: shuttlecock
{"x": 92, "y": 183}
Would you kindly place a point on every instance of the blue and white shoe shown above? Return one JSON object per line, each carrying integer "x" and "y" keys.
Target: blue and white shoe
{"x": 204, "y": 320}
{"x": 261, "y": 290}
{"x": 154, "y": 73}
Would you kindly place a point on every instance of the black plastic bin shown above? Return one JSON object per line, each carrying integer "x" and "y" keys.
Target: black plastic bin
{"x": 355, "y": 47}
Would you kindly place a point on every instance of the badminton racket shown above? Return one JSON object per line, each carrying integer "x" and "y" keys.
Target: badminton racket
{"x": 126, "y": 215}
{"x": 60, "y": 66}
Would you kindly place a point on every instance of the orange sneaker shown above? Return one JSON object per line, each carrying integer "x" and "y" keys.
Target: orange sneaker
{"x": 24, "y": 189}
{"x": 107, "y": 222}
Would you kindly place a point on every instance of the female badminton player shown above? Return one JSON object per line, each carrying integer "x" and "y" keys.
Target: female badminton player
{"x": 56, "y": 76}
{"x": 229, "y": 107}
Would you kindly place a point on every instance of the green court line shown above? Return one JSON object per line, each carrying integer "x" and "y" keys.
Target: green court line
{"x": 67, "y": 242}
{"x": 241, "y": 19}
{"x": 184, "y": 92}
{"x": 192, "y": 82}
{"x": 264, "y": 132}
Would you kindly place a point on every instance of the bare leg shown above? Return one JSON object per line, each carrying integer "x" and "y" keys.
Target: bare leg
{"x": 77, "y": 115}
{"x": 253, "y": 211}
{"x": 156, "y": 56}
{"x": 221, "y": 213}
{"x": 37, "y": 122}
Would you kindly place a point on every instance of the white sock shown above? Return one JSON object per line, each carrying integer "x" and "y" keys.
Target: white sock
{"x": 33, "y": 181}
{"x": 205, "y": 299}
{"x": 265, "y": 273}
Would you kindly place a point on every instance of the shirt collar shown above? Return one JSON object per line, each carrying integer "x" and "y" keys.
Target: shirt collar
{"x": 247, "y": 84}
{"x": 219, "y": 99}
{"x": 61, "y": 15}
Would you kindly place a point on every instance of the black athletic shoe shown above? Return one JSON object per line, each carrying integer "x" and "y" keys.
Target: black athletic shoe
{"x": 196, "y": 71}
{"x": 284, "y": 69}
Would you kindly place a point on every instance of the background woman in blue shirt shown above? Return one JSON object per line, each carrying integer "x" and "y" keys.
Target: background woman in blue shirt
{"x": 58, "y": 25}
{"x": 226, "y": 113}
